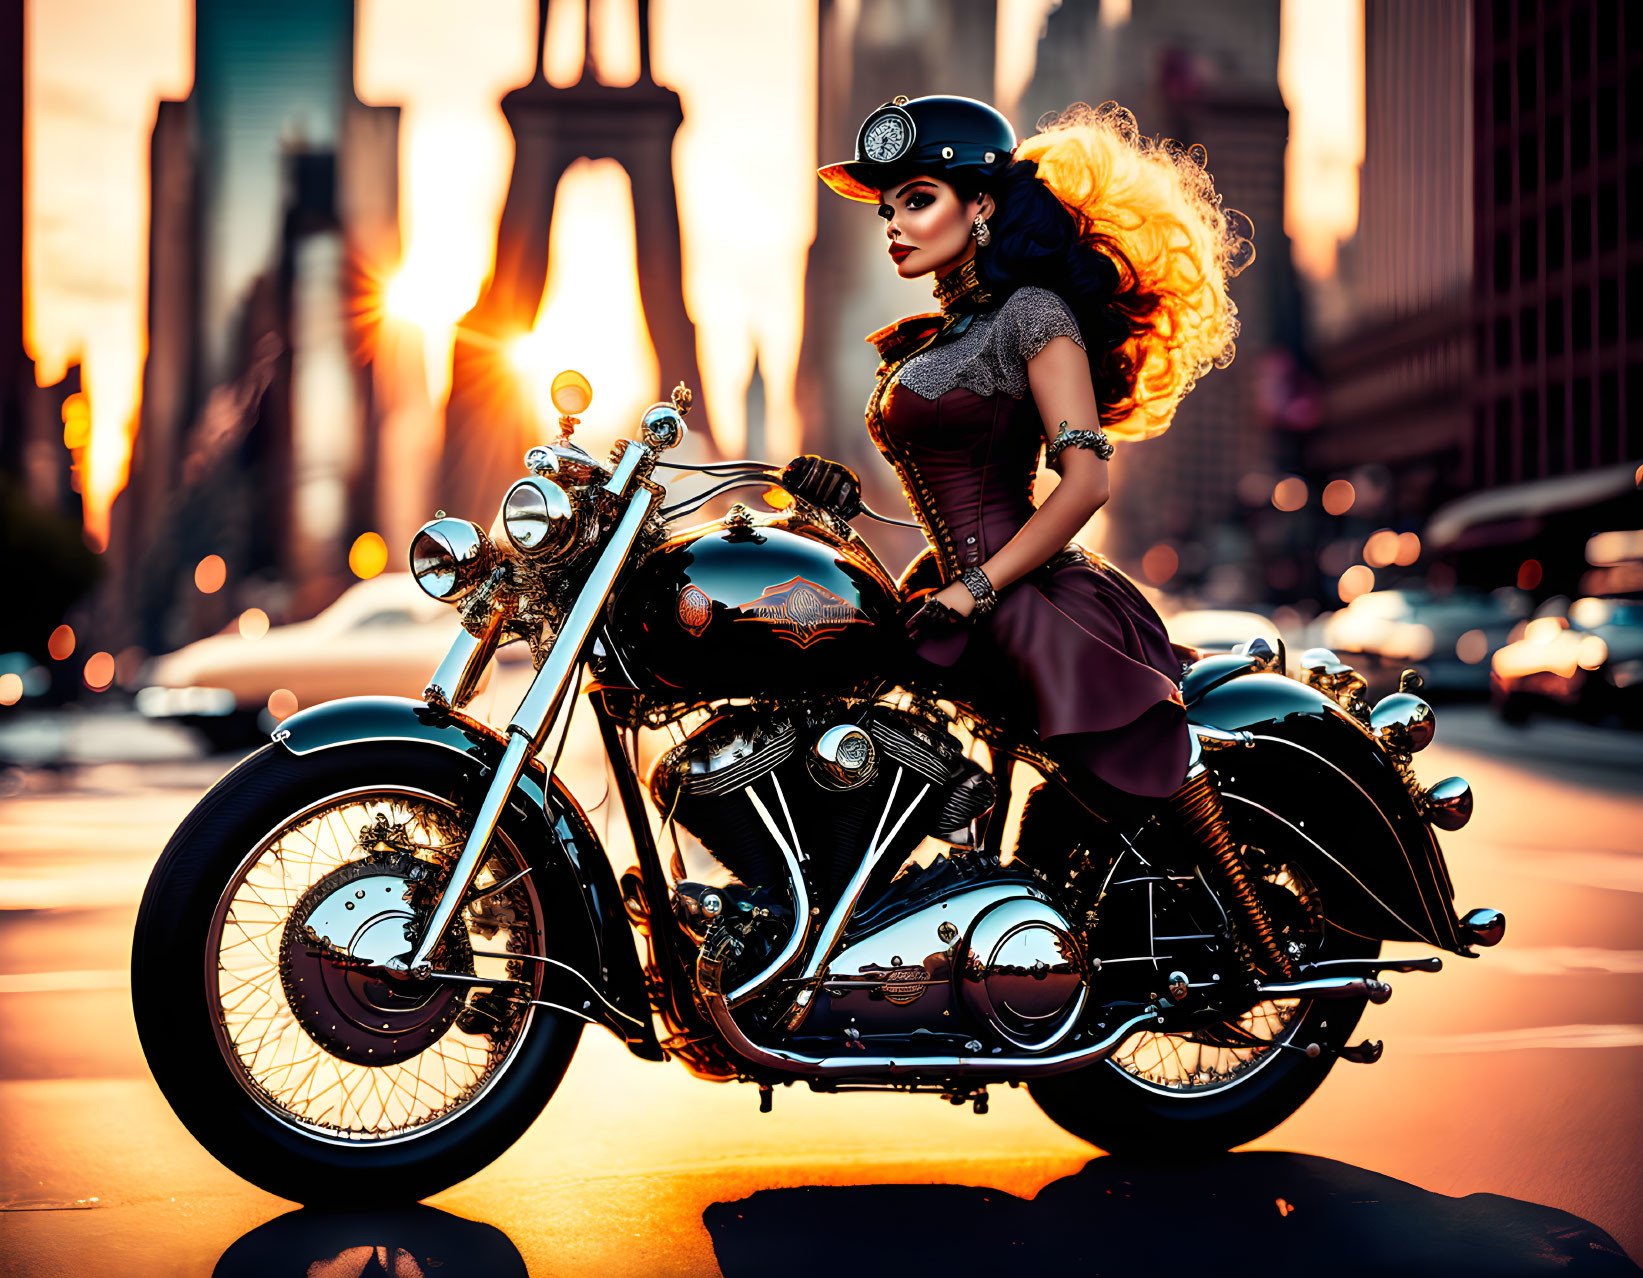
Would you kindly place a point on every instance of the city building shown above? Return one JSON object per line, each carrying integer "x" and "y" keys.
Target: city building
{"x": 274, "y": 202}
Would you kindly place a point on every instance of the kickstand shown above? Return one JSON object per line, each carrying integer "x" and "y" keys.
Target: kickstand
{"x": 765, "y": 1095}
{"x": 1365, "y": 1053}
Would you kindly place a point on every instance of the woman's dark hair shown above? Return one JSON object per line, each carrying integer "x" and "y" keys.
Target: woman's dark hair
{"x": 1037, "y": 240}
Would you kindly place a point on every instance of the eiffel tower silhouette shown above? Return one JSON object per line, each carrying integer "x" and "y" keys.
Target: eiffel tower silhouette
{"x": 489, "y": 421}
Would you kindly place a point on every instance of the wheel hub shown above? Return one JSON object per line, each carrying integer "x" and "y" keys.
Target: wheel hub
{"x": 342, "y": 932}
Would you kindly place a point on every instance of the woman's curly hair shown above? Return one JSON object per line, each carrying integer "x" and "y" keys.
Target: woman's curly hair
{"x": 1130, "y": 233}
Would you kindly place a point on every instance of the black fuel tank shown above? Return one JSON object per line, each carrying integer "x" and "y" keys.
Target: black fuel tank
{"x": 738, "y": 610}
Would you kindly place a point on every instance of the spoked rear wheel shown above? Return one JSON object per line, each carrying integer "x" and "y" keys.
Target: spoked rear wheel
{"x": 297, "y": 1060}
{"x": 1165, "y": 1095}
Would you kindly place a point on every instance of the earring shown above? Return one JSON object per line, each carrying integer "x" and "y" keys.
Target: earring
{"x": 982, "y": 232}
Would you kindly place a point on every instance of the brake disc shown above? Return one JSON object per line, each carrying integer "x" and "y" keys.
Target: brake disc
{"x": 332, "y": 954}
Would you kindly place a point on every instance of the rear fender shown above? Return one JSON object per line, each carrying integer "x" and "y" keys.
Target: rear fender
{"x": 1314, "y": 781}
{"x": 573, "y": 874}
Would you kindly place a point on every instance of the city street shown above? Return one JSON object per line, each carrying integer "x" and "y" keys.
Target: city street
{"x": 1502, "y": 1131}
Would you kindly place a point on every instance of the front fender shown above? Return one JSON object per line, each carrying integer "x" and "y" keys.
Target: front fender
{"x": 575, "y": 880}
{"x": 1314, "y": 780}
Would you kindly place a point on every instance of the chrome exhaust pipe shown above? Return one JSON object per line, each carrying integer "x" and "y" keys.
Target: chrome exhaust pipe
{"x": 710, "y": 973}
{"x": 1329, "y": 987}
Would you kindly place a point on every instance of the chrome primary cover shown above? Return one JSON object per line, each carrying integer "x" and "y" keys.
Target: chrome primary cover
{"x": 991, "y": 958}
{"x": 1023, "y": 973}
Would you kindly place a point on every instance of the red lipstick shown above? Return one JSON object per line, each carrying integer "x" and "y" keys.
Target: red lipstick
{"x": 900, "y": 252}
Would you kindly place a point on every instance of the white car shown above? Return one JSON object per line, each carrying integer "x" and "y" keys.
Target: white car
{"x": 381, "y": 637}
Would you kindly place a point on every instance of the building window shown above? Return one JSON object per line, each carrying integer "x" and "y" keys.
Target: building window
{"x": 1503, "y": 441}
{"x": 1503, "y": 342}
{"x": 1503, "y": 92}
{"x": 1608, "y": 120}
{"x": 1552, "y": 51}
{"x": 1503, "y": 175}
{"x": 1580, "y": 134}
{"x": 1554, "y": 327}
{"x": 1608, "y": 311}
{"x": 1557, "y": 442}
{"x": 1580, "y": 227}
{"x": 1608, "y": 419}
{"x": 1580, "y": 44}
{"x": 1580, "y": 312}
{"x": 1529, "y": 250}
{"x": 1526, "y": 96}
{"x": 1529, "y": 334}
{"x": 1634, "y": 303}
{"x": 1608, "y": 216}
{"x": 1554, "y": 149}
{"x": 1583, "y": 423}
{"x": 1503, "y": 262}
{"x": 1528, "y": 162}
{"x": 1634, "y": 198}
{"x": 1554, "y": 238}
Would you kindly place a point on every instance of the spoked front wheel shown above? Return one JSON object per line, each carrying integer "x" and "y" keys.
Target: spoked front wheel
{"x": 262, "y": 1005}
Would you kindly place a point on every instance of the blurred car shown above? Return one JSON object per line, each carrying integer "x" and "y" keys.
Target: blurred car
{"x": 1212, "y": 630}
{"x": 1448, "y": 638}
{"x": 381, "y": 637}
{"x": 1586, "y": 661}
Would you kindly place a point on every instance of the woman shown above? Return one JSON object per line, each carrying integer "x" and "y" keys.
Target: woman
{"x": 1082, "y": 282}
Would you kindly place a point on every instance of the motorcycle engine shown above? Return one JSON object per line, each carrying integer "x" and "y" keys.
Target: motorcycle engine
{"x": 958, "y": 948}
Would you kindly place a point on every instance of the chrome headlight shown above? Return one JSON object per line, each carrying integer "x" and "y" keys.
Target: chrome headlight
{"x": 540, "y": 518}
{"x": 449, "y": 557}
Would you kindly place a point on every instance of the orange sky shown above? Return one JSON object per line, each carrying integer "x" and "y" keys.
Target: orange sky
{"x": 97, "y": 67}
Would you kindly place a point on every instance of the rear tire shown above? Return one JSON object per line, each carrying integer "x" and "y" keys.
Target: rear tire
{"x": 176, "y": 997}
{"x": 1115, "y": 1111}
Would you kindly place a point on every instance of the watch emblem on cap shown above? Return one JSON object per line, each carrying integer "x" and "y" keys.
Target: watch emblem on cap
{"x": 887, "y": 136}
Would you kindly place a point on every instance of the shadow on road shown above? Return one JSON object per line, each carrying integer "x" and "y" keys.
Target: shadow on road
{"x": 1240, "y": 1213}
{"x": 410, "y": 1242}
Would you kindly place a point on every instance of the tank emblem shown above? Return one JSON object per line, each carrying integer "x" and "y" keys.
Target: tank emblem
{"x": 903, "y": 985}
{"x": 695, "y": 610}
{"x": 802, "y": 611}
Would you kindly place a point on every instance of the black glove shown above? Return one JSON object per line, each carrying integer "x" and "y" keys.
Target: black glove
{"x": 829, "y": 484}
{"x": 927, "y": 616}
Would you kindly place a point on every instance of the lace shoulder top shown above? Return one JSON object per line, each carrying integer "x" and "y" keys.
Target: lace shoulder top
{"x": 990, "y": 356}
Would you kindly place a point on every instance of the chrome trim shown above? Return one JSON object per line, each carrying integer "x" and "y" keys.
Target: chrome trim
{"x": 455, "y": 681}
{"x": 801, "y": 909}
{"x": 634, "y": 455}
{"x": 1483, "y": 927}
{"x": 833, "y": 930}
{"x": 537, "y": 712}
{"x": 1448, "y": 804}
{"x": 1328, "y": 987}
{"x": 1431, "y": 923}
{"x": 1326, "y": 852}
{"x": 508, "y": 771}
{"x": 1403, "y": 723}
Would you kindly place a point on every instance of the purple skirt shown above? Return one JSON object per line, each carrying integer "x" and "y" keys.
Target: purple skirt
{"x": 1082, "y": 650}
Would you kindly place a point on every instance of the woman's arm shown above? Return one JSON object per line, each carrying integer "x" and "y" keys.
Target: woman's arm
{"x": 1059, "y": 376}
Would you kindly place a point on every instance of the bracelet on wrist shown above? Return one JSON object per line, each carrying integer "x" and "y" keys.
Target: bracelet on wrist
{"x": 981, "y": 590}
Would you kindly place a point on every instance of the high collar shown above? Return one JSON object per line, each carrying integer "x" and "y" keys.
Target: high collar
{"x": 961, "y": 292}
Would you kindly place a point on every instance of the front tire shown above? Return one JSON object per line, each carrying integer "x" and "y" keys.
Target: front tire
{"x": 358, "y": 1134}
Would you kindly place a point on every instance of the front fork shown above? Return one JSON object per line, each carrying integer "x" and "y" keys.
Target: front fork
{"x": 528, "y": 729}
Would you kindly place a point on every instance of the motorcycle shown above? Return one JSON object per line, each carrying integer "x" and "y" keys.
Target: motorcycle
{"x": 363, "y": 962}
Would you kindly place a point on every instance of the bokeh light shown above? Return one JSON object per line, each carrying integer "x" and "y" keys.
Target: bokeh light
{"x": 99, "y": 671}
{"x": 1592, "y": 653}
{"x": 1289, "y": 493}
{"x": 1408, "y": 550}
{"x": 253, "y": 623}
{"x": 1381, "y": 548}
{"x": 61, "y": 643}
{"x": 1160, "y": 563}
{"x": 1356, "y": 580}
{"x": 1528, "y": 574}
{"x": 282, "y": 703}
{"x": 1338, "y": 496}
{"x": 367, "y": 557}
{"x": 11, "y": 688}
{"x": 1472, "y": 647}
{"x": 210, "y": 574}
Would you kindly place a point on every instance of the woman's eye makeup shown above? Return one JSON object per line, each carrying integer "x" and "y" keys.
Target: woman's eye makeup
{"x": 919, "y": 199}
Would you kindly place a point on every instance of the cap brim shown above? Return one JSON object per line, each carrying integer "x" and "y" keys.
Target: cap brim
{"x": 851, "y": 180}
